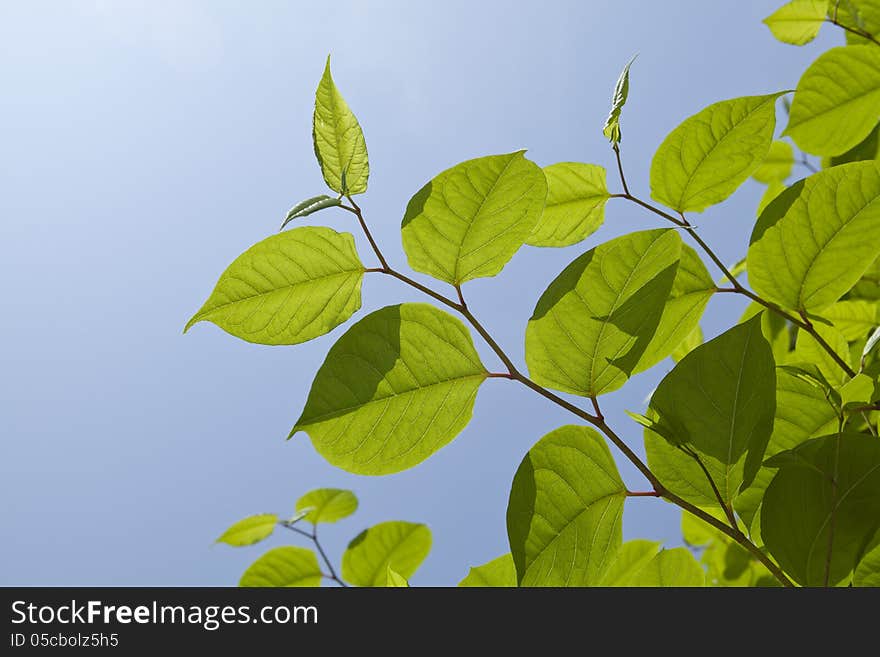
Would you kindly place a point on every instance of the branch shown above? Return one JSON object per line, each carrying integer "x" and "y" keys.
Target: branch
{"x": 682, "y": 222}
{"x": 313, "y": 537}
{"x": 597, "y": 420}
{"x": 853, "y": 30}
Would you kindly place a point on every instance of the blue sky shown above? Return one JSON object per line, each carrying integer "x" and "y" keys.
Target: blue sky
{"x": 144, "y": 145}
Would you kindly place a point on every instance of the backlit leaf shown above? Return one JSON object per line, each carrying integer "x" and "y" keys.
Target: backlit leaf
{"x": 575, "y": 206}
{"x": 837, "y": 102}
{"x": 797, "y": 22}
{"x": 594, "y": 322}
{"x": 283, "y": 566}
{"x": 287, "y": 289}
{"x": 824, "y": 242}
{"x": 565, "y": 509}
{"x": 339, "y": 141}
{"x": 706, "y": 158}
{"x": 250, "y": 530}
{"x": 468, "y": 221}
{"x": 327, "y": 505}
{"x": 500, "y": 572}
{"x": 401, "y": 546}
{"x": 396, "y": 387}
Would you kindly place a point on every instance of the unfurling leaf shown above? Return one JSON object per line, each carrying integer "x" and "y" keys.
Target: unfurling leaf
{"x": 798, "y": 22}
{"x": 565, "y": 508}
{"x": 706, "y": 158}
{"x": 470, "y": 220}
{"x": 831, "y": 118}
{"x": 816, "y": 249}
{"x": 339, "y": 142}
{"x": 250, "y": 530}
{"x": 396, "y": 387}
{"x": 287, "y": 289}
{"x": 327, "y": 505}
{"x": 500, "y": 572}
{"x": 611, "y": 130}
{"x": 310, "y": 205}
{"x": 595, "y": 321}
{"x": 284, "y": 566}
{"x": 400, "y": 546}
{"x": 575, "y": 206}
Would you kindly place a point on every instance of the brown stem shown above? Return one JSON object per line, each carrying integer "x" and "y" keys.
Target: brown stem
{"x": 597, "y": 420}
{"x": 738, "y": 287}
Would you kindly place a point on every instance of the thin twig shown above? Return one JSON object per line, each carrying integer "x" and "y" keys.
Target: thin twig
{"x": 313, "y": 537}
{"x": 596, "y": 420}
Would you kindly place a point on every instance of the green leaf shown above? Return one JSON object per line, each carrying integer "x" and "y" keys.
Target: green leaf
{"x": 868, "y": 286}
{"x": 575, "y": 209}
{"x": 798, "y": 22}
{"x": 868, "y": 571}
{"x": 802, "y": 412}
{"x": 861, "y": 14}
{"x": 632, "y": 557}
{"x": 396, "y": 387}
{"x": 309, "y": 206}
{"x": 394, "y": 579}
{"x": 691, "y": 291}
{"x": 855, "y": 318}
{"x": 774, "y": 328}
{"x": 401, "y": 546}
{"x": 808, "y": 350}
{"x": 468, "y": 221}
{"x": 283, "y": 566}
{"x": 500, "y": 572}
{"x": 727, "y": 563}
{"x": 775, "y": 210}
{"x": 252, "y": 529}
{"x": 774, "y": 189}
{"x": 858, "y": 390}
{"x": 339, "y": 141}
{"x": 837, "y": 102}
{"x": 287, "y": 289}
{"x": 327, "y": 505}
{"x": 824, "y": 242}
{"x": 778, "y": 164}
{"x": 691, "y": 342}
{"x": 707, "y": 157}
{"x": 621, "y": 91}
{"x": 823, "y": 506}
{"x": 565, "y": 509}
{"x": 594, "y": 322}
{"x": 718, "y": 402}
{"x": 676, "y": 568}
{"x": 867, "y": 149}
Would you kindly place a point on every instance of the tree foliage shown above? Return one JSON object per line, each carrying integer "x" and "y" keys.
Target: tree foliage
{"x": 765, "y": 435}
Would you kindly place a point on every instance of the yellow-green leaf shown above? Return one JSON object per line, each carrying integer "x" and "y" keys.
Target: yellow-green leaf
{"x": 778, "y": 164}
{"x": 470, "y": 220}
{"x": 339, "y": 141}
{"x": 396, "y": 387}
{"x": 401, "y": 546}
{"x": 327, "y": 505}
{"x": 284, "y": 566}
{"x": 250, "y": 530}
{"x": 287, "y": 289}
{"x": 706, "y": 158}
{"x": 837, "y": 102}
{"x": 575, "y": 206}
{"x": 798, "y": 22}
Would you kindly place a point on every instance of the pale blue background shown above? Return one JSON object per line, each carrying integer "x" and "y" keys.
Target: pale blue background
{"x": 143, "y": 145}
